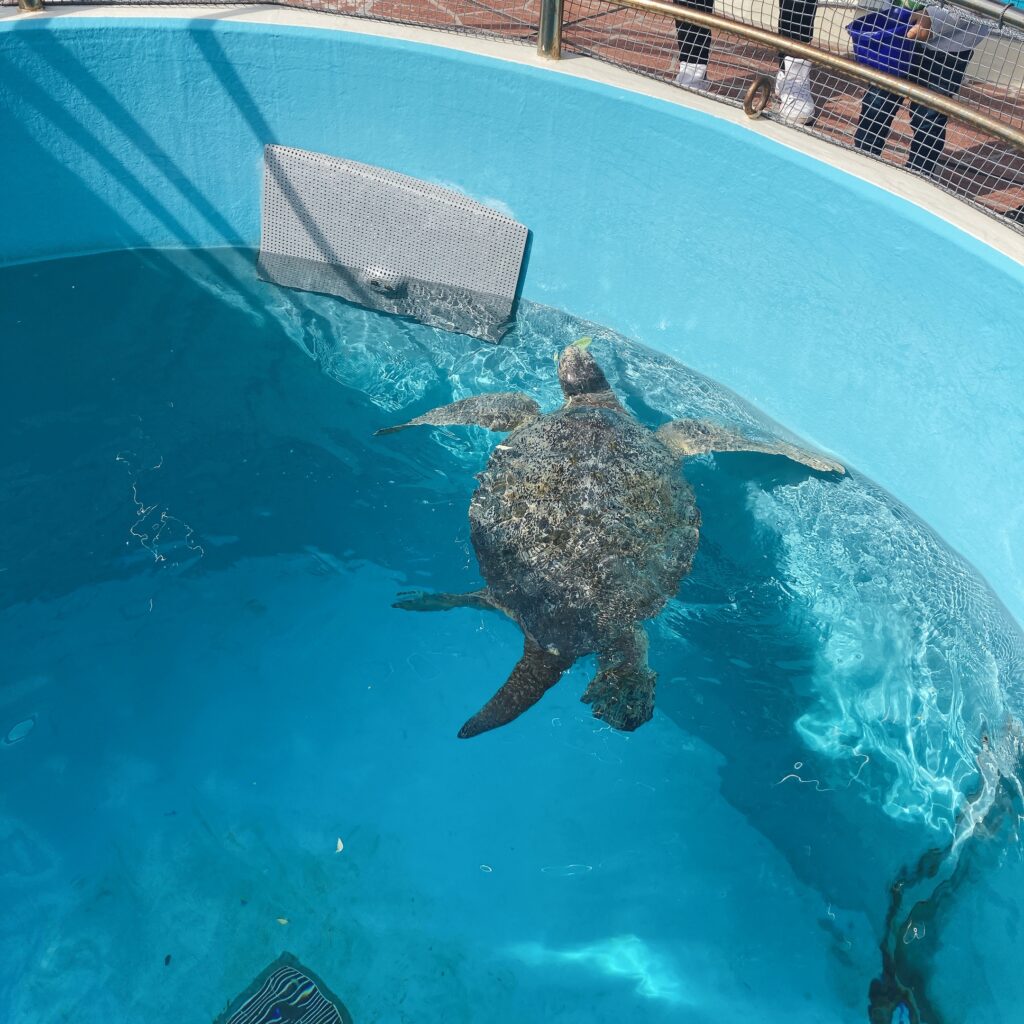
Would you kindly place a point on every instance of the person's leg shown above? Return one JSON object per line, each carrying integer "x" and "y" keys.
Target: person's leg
{"x": 879, "y": 107}
{"x": 694, "y": 46}
{"x": 796, "y": 19}
{"x": 943, "y": 72}
{"x": 877, "y": 110}
{"x": 793, "y": 82}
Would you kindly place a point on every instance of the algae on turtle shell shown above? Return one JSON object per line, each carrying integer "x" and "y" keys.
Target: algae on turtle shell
{"x": 584, "y": 526}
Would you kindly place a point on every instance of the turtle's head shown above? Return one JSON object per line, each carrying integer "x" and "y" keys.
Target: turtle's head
{"x": 578, "y": 372}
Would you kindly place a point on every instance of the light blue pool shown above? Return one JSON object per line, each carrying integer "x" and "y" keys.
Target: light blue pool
{"x": 219, "y": 741}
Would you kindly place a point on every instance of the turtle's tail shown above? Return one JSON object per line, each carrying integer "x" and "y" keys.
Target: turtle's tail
{"x": 622, "y": 692}
{"x": 537, "y": 671}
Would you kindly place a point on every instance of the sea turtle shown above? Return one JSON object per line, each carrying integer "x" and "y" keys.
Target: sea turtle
{"x": 584, "y": 526}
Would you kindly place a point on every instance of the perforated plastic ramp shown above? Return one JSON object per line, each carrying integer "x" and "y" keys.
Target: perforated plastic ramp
{"x": 286, "y": 991}
{"x": 389, "y": 242}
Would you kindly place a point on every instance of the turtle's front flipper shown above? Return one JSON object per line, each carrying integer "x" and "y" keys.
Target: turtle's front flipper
{"x": 503, "y": 411}
{"x": 418, "y": 601}
{"x": 694, "y": 437}
{"x": 622, "y": 692}
{"x": 538, "y": 670}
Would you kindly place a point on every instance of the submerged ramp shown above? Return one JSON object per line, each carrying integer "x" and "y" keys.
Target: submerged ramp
{"x": 390, "y": 242}
{"x": 286, "y": 991}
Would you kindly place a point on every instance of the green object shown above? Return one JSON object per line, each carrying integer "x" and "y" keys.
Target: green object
{"x": 582, "y": 342}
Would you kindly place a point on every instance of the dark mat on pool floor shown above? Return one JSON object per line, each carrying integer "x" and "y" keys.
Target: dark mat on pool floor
{"x": 286, "y": 993}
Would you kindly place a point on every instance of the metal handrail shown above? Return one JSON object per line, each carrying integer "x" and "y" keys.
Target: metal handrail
{"x": 550, "y": 46}
{"x": 1002, "y": 14}
{"x": 549, "y": 28}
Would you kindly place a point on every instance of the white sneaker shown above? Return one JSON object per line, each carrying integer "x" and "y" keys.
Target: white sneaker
{"x": 692, "y": 75}
{"x": 793, "y": 86}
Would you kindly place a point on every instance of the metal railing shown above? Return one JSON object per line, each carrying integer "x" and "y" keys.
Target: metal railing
{"x": 979, "y": 157}
{"x": 755, "y": 100}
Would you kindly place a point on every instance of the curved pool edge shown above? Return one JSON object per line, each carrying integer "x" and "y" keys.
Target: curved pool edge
{"x": 938, "y": 430}
{"x": 932, "y": 201}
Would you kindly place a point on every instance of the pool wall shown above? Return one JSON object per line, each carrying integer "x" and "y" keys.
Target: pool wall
{"x": 856, "y": 318}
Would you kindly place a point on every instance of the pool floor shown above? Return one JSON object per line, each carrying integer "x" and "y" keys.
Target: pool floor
{"x": 205, "y": 688}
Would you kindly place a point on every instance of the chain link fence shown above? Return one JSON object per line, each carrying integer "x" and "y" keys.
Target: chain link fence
{"x": 507, "y": 19}
{"x": 976, "y": 56}
{"x": 965, "y": 161}
{"x": 514, "y": 20}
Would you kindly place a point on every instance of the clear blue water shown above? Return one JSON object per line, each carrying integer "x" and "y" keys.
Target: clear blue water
{"x": 203, "y": 687}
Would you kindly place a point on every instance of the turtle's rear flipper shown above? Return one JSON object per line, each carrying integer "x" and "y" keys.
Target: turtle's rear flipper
{"x": 694, "y": 437}
{"x": 418, "y": 601}
{"x": 538, "y": 670}
{"x": 622, "y": 692}
{"x": 503, "y": 411}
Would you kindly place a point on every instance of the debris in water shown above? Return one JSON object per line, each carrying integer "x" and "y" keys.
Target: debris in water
{"x": 20, "y": 731}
